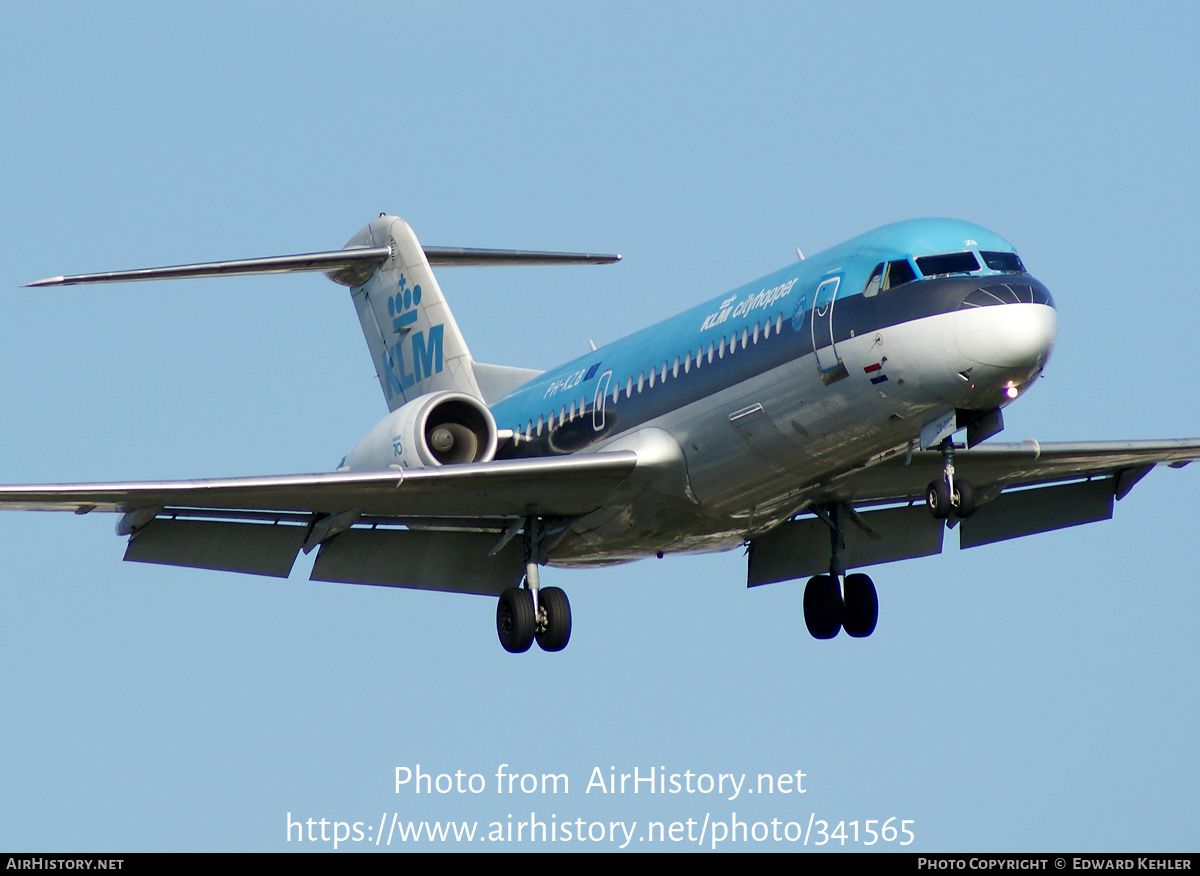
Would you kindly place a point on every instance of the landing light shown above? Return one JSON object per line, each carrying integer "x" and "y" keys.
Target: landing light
{"x": 1011, "y": 391}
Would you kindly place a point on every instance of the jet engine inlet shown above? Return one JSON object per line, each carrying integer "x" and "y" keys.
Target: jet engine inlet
{"x": 455, "y": 432}
{"x": 440, "y": 428}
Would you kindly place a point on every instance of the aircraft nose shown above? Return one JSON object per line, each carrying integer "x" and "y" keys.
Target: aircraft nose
{"x": 1008, "y": 326}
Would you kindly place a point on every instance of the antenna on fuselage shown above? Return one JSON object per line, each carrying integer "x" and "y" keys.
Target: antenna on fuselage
{"x": 799, "y": 254}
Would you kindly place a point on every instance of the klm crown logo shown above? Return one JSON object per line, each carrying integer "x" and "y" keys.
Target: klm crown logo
{"x": 402, "y": 306}
{"x": 415, "y": 355}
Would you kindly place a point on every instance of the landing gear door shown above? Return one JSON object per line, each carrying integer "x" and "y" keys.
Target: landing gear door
{"x": 828, "y": 363}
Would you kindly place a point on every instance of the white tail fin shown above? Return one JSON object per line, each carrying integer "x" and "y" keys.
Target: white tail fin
{"x": 413, "y": 338}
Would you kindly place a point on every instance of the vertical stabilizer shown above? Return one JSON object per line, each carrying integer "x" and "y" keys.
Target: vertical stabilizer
{"x": 414, "y": 341}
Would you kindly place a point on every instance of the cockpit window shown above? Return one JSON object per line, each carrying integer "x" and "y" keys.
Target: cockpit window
{"x": 898, "y": 273}
{"x": 950, "y": 263}
{"x": 1005, "y": 262}
{"x": 872, "y": 287}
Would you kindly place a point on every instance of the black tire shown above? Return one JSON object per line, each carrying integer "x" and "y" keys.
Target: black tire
{"x": 861, "y": 611}
{"x": 964, "y": 499}
{"x": 822, "y": 607}
{"x": 937, "y": 497}
{"x": 558, "y": 619}
{"x": 514, "y": 620}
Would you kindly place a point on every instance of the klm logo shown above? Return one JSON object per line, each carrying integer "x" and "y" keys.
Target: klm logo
{"x": 416, "y": 355}
{"x": 402, "y": 307}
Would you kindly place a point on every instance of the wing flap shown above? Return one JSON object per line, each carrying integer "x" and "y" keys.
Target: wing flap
{"x": 1043, "y": 509}
{"x": 254, "y": 548}
{"x": 453, "y": 562}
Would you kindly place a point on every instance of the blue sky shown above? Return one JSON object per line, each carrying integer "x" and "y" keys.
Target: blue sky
{"x": 1033, "y": 695}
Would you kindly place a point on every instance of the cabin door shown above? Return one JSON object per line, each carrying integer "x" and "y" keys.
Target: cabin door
{"x": 828, "y": 363}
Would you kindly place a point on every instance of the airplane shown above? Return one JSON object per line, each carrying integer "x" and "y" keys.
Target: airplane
{"x": 809, "y": 416}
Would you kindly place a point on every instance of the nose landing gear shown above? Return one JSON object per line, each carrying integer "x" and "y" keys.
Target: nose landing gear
{"x": 946, "y": 495}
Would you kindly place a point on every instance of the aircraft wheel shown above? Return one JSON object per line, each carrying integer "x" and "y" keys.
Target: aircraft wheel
{"x": 822, "y": 607}
{"x": 514, "y": 620}
{"x": 937, "y": 497}
{"x": 557, "y": 631}
{"x": 963, "y": 499}
{"x": 861, "y": 611}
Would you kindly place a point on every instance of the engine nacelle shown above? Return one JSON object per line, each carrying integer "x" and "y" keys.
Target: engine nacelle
{"x": 441, "y": 428}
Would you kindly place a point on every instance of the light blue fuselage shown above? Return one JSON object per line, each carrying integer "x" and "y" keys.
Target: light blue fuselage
{"x": 763, "y": 393}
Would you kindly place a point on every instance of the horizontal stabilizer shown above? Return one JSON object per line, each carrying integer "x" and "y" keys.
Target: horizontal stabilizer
{"x": 350, "y": 267}
{"x": 449, "y": 256}
{"x": 334, "y": 261}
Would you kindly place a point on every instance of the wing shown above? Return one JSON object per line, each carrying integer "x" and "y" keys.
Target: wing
{"x": 997, "y": 467}
{"x": 446, "y": 528}
{"x": 1021, "y": 489}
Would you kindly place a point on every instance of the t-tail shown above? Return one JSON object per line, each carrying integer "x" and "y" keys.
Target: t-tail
{"x": 414, "y": 341}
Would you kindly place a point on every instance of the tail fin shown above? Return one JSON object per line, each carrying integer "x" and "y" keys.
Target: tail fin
{"x": 411, "y": 333}
{"x": 413, "y": 338}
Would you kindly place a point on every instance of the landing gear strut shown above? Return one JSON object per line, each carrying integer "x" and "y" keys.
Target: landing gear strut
{"x": 529, "y": 612}
{"x": 839, "y": 601}
{"x": 947, "y": 495}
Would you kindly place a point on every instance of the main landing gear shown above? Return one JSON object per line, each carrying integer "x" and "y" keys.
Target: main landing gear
{"x": 532, "y": 612}
{"x": 838, "y": 601}
{"x": 946, "y": 495}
